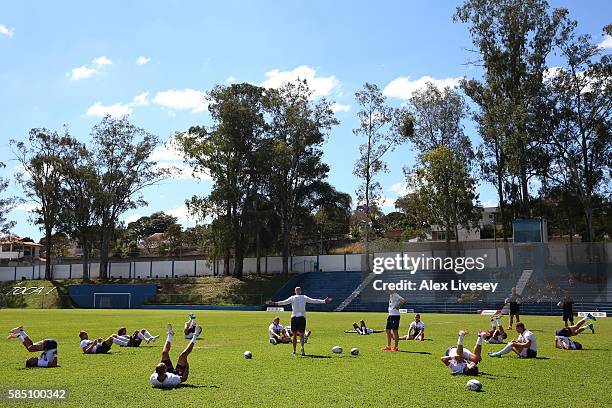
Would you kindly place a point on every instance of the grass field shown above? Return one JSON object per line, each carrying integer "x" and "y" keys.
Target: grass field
{"x": 221, "y": 377}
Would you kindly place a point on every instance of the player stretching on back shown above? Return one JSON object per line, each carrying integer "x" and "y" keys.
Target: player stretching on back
{"x": 525, "y": 346}
{"x": 136, "y": 338}
{"x": 98, "y": 346}
{"x": 416, "y": 331}
{"x": 48, "y": 358}
{"x": 577, "y": 328}
{"x": 496, "y": 335}
{"x": 460, "y": 360}
{"x": 393, "y": 320}
{"x": 190, "y": 326}
{"x": 166, "y": 375}
{"x": 298, "y": 314}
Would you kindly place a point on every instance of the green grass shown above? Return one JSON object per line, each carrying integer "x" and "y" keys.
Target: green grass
{"x": 223, "y": 378}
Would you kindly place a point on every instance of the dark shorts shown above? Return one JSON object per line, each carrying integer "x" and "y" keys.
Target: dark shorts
{"x": 393, "y": 322}
{"x": 515, "y": 308}
{"x": 49, "y": 344}
{"x": 565, "y": 332}
{"x": 178, "y": 370}
{"x": 102, "y": 348}
{"x": 298, "y": 324}
{"x": 568, "y": 316}
{"x": 134, "y": 341}
{"x": 191, "y": 329}
{"x": 531, "y": 354}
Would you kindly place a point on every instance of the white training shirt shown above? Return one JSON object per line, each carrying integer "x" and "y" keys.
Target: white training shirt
{"x": 274, "y": 329}
{"x": 171, "y": 381}
{"x": 419, "y": 327}
{"x": 567, "y": 341}
{"x": 394, "y": 300}
{"x": 298, "y": 304}
{"x": 85, "y": 343}
{"x": 46, "y": 357}
{"x": 527, "y": 335}
{"x": 455, "y": 366}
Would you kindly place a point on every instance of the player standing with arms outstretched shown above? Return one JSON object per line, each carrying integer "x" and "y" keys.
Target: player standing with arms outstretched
{"x": 393, "y": 320}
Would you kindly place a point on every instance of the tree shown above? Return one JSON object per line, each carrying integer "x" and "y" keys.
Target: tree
{"x": 79, "y": 193}
{"x": 297, "y": 173}
{"x": 41, "y": 161}
{"x": 121, "y": 153}
{"x": 384, "y": 128}
{"x": 513, "y": 38}
{"x": 6, "y": 205}
{"x": 149, "y": 225}
{"x": 445, "y": 192}
{"x": 580, "y": 141}
{"x": 230, "y": 152}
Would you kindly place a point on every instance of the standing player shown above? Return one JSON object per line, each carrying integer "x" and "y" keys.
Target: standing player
{"x": 393, "y": 320}
{"x": 136, "y": 338}
{"x": 514, "y": 300}
{"x": 99, "y": 346}
{"x": 298, "y": 314}
{"x": 48, "y": 358}
{"x": 166, "y": 375}
{"x": 416, "y": 331}
{"x": 567, "y": 304}
{"x": 525, "y": 346}
{"x": 460, "y": 360}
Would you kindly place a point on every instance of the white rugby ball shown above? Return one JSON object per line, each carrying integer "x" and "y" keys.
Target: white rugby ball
{"x": 337, "y": 350}
{"x": 354, "y": 351}
{"x": 248, "y": 354}
{"x": 474, "y": 385}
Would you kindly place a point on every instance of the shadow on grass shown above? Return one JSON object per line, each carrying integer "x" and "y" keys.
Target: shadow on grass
{"x": 31, "y": 368}
{"x": 197, "y": 386}
{"x": 540, "y": 358}
{"x": 413, "y": 352}
{"x": 595, "y": 349}
{"x": 316, "y": 356}
{"x": 489, "y": 375}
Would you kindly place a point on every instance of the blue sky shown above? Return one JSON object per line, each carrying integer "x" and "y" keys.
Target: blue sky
{"x": 69, "y": 62}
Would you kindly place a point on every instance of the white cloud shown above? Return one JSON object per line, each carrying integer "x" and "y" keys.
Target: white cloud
{"x": 403, "y": 87}
{"x": 231, "y": 79}
{"x": 387, "y": 203}
{"x": 27, "y": 207}
{"x": 606, "y": 43}
{"x": 400, "y": 189}
{"x": 82, "y": 72}
{"x": 4, "y": 30}
{"x": 551, "y": 72}
{"x": 170, "y": 158}
{"x": 338, "y": 107}
{"x": 132, "y": 218}
{"x": 321, "y": 86}
{"x": 183, "y": 216}
{"x": 101, "y": 61}
{"x": 489, "y": 203}
{"x": 116, "y": 110}
{"x": 141, "y": 100}
{"x": 184, "y": 99}
{"x": 142, "y": 60}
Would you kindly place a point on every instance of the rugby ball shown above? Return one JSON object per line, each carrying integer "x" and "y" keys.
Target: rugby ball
{"x": 354, "y": 351}
{"x": 337, "y": 350}
{"x": 474, "y": 385}
{"x": 248, "y": 354}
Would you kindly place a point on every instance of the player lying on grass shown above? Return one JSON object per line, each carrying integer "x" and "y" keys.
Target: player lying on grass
{"x": 166, "y": 375}
{"x": 189, "y": 326}
{"x": 525, "y": 345}
{"x": 460, "y": 360}
{"x": 564, "y": 343}
{"x": 362, "y": 329}
{"x": 48, "y": 358}
{"x": 277, "y": 333}
{"x": 393, "y": 320}
{"x": 577, "y": 328}
{"x": 98, "y": 346}
{"x": 496, "y": 335}
{"x": 136, "y": 338}
{"x": 298, "y": 315}
{"x": 416, "y": 331}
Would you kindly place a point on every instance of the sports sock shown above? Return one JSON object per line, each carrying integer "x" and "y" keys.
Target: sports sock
{"x": 493, "y": 324}
{"x": 141, "y": 336}
{"x": 22, "y": 335}
{"x": 120, "y": 341}
{"x": 192, "y": 322}
{"x": 460, "y": 340}
{"x": 498, "y": 323}
{"x": 505, "y": 350}
{"x": 169, "y": 338}
{"x": 479, "y": 340}
{"x": 193, "y": 339}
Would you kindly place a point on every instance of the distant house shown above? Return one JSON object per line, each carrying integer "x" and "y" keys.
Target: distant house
{"x": 16, "y": 249}
{"x": 484, "y": 230}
